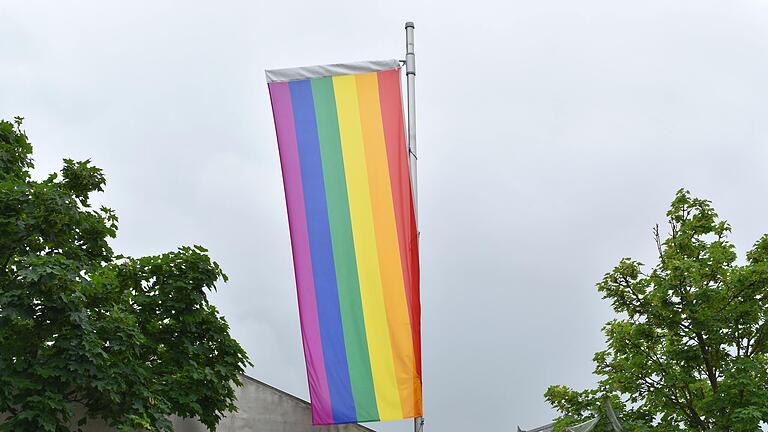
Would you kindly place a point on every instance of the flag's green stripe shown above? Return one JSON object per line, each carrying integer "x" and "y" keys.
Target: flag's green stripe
{"x": 344, "y": 250}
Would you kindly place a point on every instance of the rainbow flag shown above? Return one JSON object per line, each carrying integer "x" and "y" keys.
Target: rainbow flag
{"x": 353, "y": 233}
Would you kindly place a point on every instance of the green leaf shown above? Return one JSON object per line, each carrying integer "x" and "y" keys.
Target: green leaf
{"x": 687, "y": 349}
{"x": 135, "y": 340}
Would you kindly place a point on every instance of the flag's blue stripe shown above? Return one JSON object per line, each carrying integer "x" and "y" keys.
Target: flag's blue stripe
{"x": 321, "y": 250}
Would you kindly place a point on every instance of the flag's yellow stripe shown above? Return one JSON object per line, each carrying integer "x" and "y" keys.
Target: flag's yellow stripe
{"x": 364, "y": 235}
{"x": 386, "y": 238}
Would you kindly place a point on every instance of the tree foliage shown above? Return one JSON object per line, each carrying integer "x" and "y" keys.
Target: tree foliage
{"x": 132, "y": 340}
{"x": 690, "y": 349}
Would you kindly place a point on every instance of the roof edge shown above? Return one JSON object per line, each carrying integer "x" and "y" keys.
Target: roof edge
{"x": 294, "y": 397}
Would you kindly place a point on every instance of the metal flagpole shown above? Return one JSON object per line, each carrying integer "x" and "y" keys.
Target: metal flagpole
{"x": 410, "y": 75}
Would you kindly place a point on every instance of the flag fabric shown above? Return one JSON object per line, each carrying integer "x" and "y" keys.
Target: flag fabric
{"x": 353, "y": 231}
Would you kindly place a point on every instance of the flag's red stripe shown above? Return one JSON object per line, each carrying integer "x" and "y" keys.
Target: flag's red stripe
{"x": 394, "y": 135}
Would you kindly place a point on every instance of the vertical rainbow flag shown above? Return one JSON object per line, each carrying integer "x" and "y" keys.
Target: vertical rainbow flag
{"x": 353, "y": 233}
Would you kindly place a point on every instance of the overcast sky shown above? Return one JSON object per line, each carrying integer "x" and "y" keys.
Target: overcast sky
{"x": 552, "y": 136}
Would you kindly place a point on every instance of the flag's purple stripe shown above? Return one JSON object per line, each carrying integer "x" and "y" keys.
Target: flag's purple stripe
{"x": 321, "y": 248}
{"x": 302, "y": 260}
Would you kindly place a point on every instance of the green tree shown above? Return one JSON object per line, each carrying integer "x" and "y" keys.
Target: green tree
{"x": 132, "y": 340}
{"x": 689, "y": 349}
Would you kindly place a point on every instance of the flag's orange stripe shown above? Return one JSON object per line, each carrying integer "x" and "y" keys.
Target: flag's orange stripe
{"x": 363, "y": 218}
{"x": 407, "y": 233}
{"x": 392, "y": 278}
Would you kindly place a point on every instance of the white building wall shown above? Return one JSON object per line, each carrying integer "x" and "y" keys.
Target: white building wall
{"x": 262, "y": 408}
{"x": 266, "y": 409}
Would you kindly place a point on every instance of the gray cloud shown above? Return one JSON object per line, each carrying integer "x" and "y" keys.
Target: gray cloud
{"x": 552, "y": 136}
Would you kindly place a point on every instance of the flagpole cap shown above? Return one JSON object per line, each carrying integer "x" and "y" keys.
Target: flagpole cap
{"x": 409, "y": 24}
